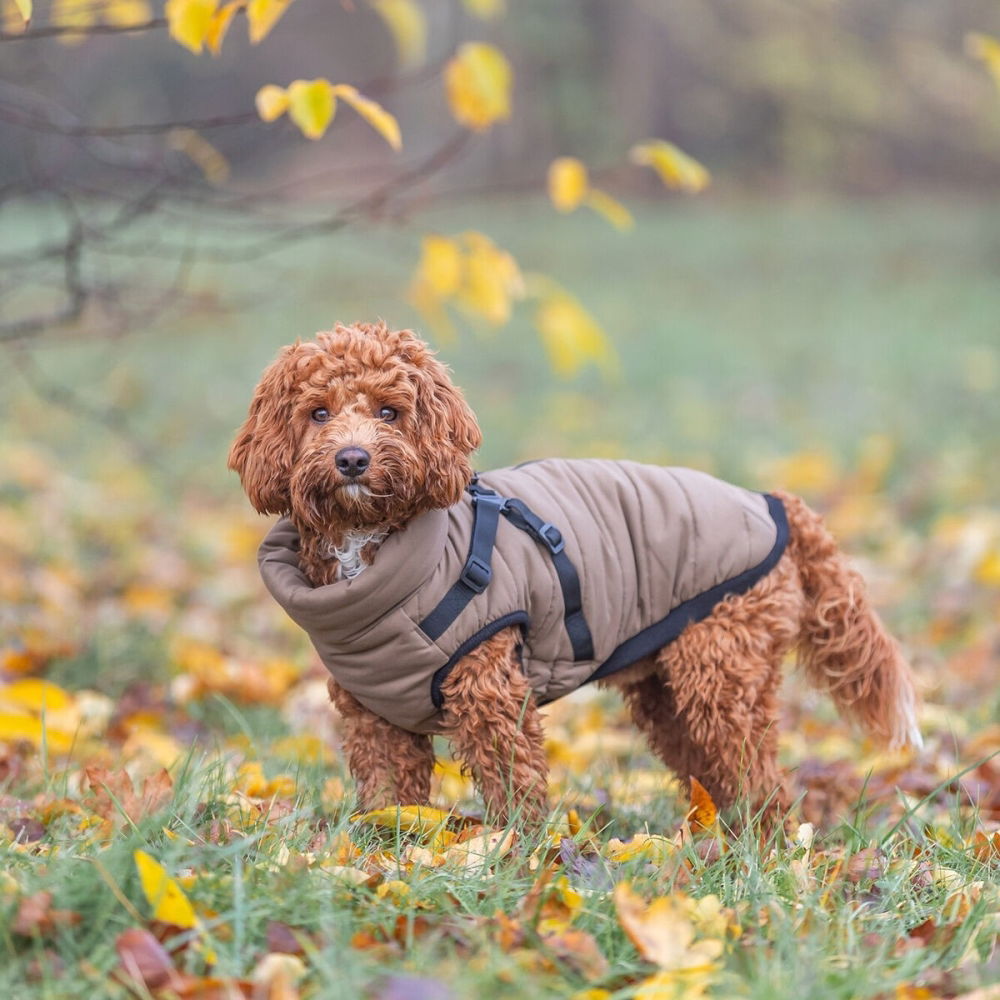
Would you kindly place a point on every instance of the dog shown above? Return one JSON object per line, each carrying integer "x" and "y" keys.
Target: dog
{"x": 442, "y": 602}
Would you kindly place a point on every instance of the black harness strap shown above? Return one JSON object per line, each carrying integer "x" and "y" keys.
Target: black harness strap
{"x": 477, "y": 571}
{"x": 548, "y": 535}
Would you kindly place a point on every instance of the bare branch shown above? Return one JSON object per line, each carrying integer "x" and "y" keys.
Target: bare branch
{"x": 57, "y": 30}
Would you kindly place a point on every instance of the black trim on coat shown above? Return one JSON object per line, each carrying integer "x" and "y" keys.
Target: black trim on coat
{"x": 486, "y": 632}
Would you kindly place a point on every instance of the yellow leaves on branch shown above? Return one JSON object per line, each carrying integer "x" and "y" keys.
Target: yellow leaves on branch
{"x": 24, "y": 8}
{"x": 569, "y": 187}
{"x": 572, "y": 337}
{"x": 477, "y": 84}
{"x": 407, "y": 24}
{"x": 986, "y": 49}
{"x": 196, "y": 24}
{"x": 83, "y": 14}
{"x": 213, "y": 165}
{"x": 190, "y": 21}
{"x": 485, "y": 9}
{"x": 472, "y": 272}
{"x": 312, "y": 104}
{"x": 675, "y": 168}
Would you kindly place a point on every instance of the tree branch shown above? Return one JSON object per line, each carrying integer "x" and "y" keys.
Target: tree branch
{"x": 57, "y": 30}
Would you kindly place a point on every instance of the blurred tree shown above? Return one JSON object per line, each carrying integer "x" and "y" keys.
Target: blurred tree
{"x": 128, "y": 125}
{"x": 125, "y": 122}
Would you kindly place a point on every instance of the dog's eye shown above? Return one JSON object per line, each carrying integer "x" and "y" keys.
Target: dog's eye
{"x": 321, "y": 415}
{"x": 388, "y": 414}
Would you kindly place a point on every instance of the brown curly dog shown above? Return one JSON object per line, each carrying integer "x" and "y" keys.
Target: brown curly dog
{"x": 362, "y": 442}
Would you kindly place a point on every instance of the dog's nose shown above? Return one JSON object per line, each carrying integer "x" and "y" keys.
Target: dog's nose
{"x": 352, "y": 461}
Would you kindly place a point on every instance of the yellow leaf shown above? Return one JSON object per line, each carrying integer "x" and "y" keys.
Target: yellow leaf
{"x": 440, "y": 265}
{"x": 125, "y": 13}
{"x": 262, "y": 16}
{"x": 567, "y": 183}
{"x": 675, "y": 167}
{"x": 572, "y": 337}
{"x": 986, "y": 49}
{"x": 201, "y": 153}
{"x": 682, "y": 984}
{"x": 311, "y": 105}
{"x": 702, "y": 812}
{"x": 988, "y": 569}
{"x": 485, "y": 9}
{"x": 220, "y": 25}
{"x": 272, "y": 102}
{"x": 477, "y": 83}
{"x": 24, "y": 9}
{"x": 73, "y": 14}
{"x": 412, "y": 819}
{"x": 491, "y": 280}
{"x": 35, "y": 695}
{"x": 164, "y": 895}
{"x": 15, "y": 727}
{"x": 611, "y": 209}
{"x": 643, "y": 846}
{"x": 190, "y": 21}
{"x": 662, "y": 933}
{"x": 478, "y": 852}
{"x": 12, "y": 21}
{"x": 407, "y": 23}
{"x": 372, "y": 112}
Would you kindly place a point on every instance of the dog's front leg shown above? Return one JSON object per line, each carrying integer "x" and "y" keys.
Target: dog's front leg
{"x": 496, "y": 731}
{"x": 390, "y": 765}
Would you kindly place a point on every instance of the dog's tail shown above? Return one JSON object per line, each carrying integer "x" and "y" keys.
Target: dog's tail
{"x": 843, "y": 645}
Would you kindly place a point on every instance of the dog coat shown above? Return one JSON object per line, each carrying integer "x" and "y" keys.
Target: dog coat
{"x": 599, "y": 563}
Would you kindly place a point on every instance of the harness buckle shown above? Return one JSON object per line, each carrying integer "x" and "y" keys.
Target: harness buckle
{"x": 551, "y": 537}
{"x": 476, "y": 574}
{"x": 490, "y": 498}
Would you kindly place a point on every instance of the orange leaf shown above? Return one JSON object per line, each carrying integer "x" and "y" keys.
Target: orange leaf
{"x": 702, "y": 814}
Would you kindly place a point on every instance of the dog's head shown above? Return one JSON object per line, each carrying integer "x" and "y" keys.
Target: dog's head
{"x": 358, "y": 429}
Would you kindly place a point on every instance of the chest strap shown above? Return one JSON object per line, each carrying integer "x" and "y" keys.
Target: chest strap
{"x": 477, "y": 572}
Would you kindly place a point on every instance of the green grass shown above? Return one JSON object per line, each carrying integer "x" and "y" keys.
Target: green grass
{"x": 744, "y": 332}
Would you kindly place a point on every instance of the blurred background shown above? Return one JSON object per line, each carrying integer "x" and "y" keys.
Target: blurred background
{"x": 825, "y": 315}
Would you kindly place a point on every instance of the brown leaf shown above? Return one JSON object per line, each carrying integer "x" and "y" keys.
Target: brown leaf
{"x": 702, "y": 813}
{"x": 579, "y": 951}
{"x": 144, "y": 960}
{"x": 35, "y": 916}
{"x": 26, "y": 830}
{"x": 115, "y": 796}
{"x": 866, "y": 865}
{"x": 285, "y": 940}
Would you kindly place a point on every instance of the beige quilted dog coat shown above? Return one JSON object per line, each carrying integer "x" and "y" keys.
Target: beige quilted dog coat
{"x": 600, "y": 564}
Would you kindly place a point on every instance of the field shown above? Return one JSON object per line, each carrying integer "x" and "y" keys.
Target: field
{"x": 849, "y": 351}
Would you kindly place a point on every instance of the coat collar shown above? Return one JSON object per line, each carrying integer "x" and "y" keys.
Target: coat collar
{"x": 402, "y": 564}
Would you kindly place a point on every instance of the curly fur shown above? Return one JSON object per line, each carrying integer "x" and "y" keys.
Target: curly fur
{"x": 707, "y": 702}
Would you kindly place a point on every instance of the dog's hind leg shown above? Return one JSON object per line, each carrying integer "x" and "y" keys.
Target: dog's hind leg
{"x": 496, "y": 731}
{"x": 389, "y": 765}
{"x": 650, "y": 703}
{"x": 724, "y": 673}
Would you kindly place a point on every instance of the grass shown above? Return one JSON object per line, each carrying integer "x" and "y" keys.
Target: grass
{"x": 761, "y": 341}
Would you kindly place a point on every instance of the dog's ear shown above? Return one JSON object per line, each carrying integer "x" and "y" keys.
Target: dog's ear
{"x": 264, "y": 449}
{"x": 451, "y": 432}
